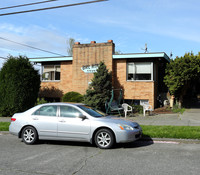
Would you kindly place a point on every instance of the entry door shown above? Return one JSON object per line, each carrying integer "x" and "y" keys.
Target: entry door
{"x": 45, "y": 121}
{"x": 70, "y": 127}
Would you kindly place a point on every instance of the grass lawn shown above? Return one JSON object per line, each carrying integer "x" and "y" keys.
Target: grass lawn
{"x": 4, "y": 126}
{"x": 178, "y": 132}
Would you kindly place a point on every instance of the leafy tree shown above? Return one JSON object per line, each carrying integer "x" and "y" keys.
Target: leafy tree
{"x": 70, "y": 42}
{"x": 19, "y": 85}
{"x": 118, "y": 52}
{"x": 72, "y": 97}
{"x": 100, "y": 88}
{"x": 180, "y": 72}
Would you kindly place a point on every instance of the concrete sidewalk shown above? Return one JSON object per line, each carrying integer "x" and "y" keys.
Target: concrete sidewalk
{"x": 191, "y": 117}
{"x": 5, "y": 119}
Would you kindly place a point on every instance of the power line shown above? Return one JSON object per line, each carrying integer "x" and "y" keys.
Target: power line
{"x": 48, "y": 8}
{"x": 3, "y": 58}
{"x": 30, "y": 46}
{"x": 21, "y": 5}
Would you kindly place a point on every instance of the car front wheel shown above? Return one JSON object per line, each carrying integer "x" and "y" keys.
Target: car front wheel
{"x": 104, "y": 139}
{"x": 29, "y": 135}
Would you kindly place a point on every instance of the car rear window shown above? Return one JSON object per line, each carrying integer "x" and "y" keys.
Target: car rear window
{"x": 49, "y": 110}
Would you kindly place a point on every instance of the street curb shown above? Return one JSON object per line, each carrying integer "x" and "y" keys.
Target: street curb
{"x": 4, "y": 132}
{"x": 194, "y": 141}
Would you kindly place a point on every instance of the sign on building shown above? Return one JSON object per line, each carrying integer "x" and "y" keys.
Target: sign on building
{"x": 90, "y": 68}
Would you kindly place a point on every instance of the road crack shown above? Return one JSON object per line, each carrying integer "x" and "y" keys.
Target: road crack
{"x": 85, "y": 162}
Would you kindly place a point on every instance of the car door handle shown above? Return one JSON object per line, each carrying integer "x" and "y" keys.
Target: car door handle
{"x": 35, "y": 118}
{"x": 62, "y": 121}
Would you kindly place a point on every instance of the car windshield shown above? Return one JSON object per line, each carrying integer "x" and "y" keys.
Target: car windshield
{"x": 92, "y": 111}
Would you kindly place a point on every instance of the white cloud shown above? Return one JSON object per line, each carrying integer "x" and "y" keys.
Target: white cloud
{"x": 44, "y": 38}
{"x": 11, "y": 28}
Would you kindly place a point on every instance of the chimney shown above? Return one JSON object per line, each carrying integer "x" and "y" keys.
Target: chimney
{"x": 110, "y": 41}
{"x": 93, "y": 42}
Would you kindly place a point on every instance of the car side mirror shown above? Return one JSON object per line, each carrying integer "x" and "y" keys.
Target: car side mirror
{"x": 83, "y": 117}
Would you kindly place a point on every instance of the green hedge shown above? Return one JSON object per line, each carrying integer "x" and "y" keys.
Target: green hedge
{"x": 19, "y": 85}
{"x": 72, "y": 97}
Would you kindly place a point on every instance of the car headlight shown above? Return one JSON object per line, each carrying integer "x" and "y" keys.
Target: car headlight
{"x": 125, "y": 127}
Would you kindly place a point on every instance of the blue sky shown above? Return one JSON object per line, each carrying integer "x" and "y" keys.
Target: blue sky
{"x": 165, "y": 25}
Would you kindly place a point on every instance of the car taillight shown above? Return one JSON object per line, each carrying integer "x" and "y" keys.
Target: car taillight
{"x": 13, "y": 119}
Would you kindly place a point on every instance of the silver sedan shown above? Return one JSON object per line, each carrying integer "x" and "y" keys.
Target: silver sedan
{"x": 72, "y": 122}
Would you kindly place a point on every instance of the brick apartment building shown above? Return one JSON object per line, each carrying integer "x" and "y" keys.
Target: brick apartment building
{"x": 140, "y": 75}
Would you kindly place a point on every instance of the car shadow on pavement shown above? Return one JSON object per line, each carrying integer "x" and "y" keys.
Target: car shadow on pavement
{"x": 143, "y": 142}
{"x": 65, "y": 143}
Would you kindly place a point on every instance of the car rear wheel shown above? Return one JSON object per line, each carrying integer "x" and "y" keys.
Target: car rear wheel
{"x": 104, "y": 139}
{"x": 29, "y": 135}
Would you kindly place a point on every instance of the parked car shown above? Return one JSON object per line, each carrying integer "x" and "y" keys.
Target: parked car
{"x": 72, "y": 122}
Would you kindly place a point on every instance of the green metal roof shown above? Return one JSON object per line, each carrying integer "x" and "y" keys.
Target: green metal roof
{"x": 142, "y": 55}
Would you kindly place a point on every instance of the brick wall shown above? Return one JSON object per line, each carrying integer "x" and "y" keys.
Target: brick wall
{"x": 74, "y": 79}
{"x": 58, "y": 88}
{"x": 137, "y": 90}
{"x": 89, "y": 54}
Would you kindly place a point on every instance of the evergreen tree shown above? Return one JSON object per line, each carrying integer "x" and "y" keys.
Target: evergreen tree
{"x": 99, "y": 90}
{"x": 19, "y": 85}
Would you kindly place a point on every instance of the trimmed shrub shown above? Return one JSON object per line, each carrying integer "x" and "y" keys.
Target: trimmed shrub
{"x": 19, "y": 85}
{"x": 72, "y": 97}
{"x": 138, "y": 109}
{"x": 176, "y": 109}
{"x": 40, "y": 101}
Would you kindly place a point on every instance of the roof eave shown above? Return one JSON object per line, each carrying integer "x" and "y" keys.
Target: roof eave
{"x": 51, "y": 59}
{"x": 142, "y": 55}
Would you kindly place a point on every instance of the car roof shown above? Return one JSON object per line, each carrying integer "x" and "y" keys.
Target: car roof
{"x": 62, "y": 103}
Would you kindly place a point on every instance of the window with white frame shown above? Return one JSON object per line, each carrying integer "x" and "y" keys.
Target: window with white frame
{"x": 140, "y": 71}
{"x": 51, "y": 72}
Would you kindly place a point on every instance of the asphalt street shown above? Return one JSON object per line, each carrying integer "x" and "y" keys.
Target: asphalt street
{"x": 69, "y": 158}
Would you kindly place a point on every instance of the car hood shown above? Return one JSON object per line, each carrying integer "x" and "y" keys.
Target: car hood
{"x": 117, "y": 120}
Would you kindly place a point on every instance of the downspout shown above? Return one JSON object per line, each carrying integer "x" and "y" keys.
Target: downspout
{"x": 153, "y": 84}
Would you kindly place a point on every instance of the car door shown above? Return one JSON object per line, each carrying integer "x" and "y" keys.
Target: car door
{"x": 70, "y": 127}
{"x": 45, "y": 121}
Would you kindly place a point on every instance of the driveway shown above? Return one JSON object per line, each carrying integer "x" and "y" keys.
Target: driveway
{"x": 68, "y": 158}
{"x": 191, "y": 117}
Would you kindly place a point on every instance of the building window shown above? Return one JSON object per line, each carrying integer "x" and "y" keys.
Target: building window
{"x": 143, "y": 102}
{"x": 51, "y": 72}
{"x": 140, "y": 71}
